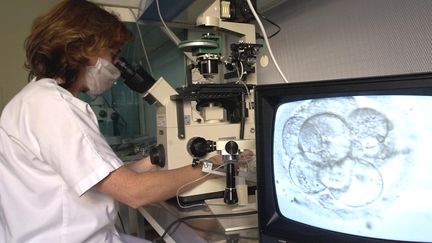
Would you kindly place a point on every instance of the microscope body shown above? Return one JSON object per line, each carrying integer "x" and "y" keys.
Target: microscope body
{"x": 178, "y": 121}
{"x": 220, "y": 108}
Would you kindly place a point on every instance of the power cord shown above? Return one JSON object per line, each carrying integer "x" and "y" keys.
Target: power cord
{"x": 271, "y": 22}
{"x": 189, "y": 183}
{"x": 266, "y": 40}
{"x": 171, "y": 34}
{"x": 142, "y": 41}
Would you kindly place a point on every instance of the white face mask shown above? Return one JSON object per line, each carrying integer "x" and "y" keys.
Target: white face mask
{"x": 101, "y": 76}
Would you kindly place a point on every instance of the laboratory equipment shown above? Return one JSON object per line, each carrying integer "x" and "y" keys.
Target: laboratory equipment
{"x": 218, "y": 107}
{"x": 230, "y": 151}
{"x": 345, "y": 160}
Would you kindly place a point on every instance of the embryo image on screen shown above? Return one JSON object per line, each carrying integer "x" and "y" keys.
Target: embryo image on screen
{"x": 360, "y": 165}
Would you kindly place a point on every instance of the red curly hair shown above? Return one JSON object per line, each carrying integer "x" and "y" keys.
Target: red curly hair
{"x": 62, "y": 39}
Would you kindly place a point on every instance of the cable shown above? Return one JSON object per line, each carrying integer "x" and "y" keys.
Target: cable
{"x": 142, "y": 42}
{"x": 243, "y": 116}
{"x": 187, "y": 184}
{"x": 240, "y": 78}
{"x": 169, "y": 32}
{"x": 243, "y": 102}
{"x": 241, "y": 73}
{"x": 271, "y": 22}
{"x": 266, "y": 39}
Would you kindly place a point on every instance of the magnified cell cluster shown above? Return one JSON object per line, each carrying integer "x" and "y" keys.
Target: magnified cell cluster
{"x": 336, "y": 148}
{"x": 358, "y": 165}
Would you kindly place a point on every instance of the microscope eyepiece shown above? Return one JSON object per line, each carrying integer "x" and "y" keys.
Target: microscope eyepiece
{"x": 136, "y": 79}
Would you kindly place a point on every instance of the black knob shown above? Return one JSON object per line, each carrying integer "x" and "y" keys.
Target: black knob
{"x": 115, "y": 116}
{"x": 103, "y": 113}
{"x": 157, "y": 155}
{"x": 198, "y": 147}
{"x": 231, "y": 147}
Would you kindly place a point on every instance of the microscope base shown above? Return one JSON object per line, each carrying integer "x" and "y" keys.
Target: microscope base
{"x": 234, "y": 223}
{"x": 198, "y": 198}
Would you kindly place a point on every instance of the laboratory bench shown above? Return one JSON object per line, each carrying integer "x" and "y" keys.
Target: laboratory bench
{"x": 198, "y": 224}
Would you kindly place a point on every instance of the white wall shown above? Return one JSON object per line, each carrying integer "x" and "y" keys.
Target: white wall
{"x": 332, "y": 39}
{"x": 16, "y": 18}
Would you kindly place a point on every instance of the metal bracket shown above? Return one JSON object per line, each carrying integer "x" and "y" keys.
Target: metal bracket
{"x": 180, "y": 119}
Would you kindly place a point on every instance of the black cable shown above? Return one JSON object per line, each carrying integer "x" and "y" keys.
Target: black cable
{"x": 203, "y": 216}
{"x": 121, "y": 222}
{"x": 271, "y": 22}
{"x": 258, "y": 36}
{"x": 243, "y": 116}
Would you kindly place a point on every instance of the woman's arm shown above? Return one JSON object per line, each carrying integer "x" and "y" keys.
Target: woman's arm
{"x": 139, "y": 188}
{"x": 142, "y": 165}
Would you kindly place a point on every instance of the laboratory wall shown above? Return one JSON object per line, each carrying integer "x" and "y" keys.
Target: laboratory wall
{"x": 333, "y": 39}
{"x": 16, "y": 18}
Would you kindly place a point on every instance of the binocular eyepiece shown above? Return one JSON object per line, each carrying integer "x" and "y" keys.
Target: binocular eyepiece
{"x": 136, "y": 79}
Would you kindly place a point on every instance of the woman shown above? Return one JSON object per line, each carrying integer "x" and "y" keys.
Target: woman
{"x": 59, "y": 179}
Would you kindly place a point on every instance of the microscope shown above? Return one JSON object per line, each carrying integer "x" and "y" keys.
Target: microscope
{"x": 212, "y": 115}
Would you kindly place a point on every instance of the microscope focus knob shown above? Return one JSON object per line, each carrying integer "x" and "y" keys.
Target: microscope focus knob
{"x": 199, "y": 147}
{"x": 157, "y": 155}
{"x": 231, "y": 147}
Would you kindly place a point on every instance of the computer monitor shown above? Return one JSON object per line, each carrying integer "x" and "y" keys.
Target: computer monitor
{"x": 345, "y": 160}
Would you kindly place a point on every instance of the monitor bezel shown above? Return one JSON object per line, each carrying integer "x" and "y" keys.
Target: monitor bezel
{"x": 272, "y": 226}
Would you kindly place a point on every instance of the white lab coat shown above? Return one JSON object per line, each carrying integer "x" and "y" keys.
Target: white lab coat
{"x": 51, "y": 155}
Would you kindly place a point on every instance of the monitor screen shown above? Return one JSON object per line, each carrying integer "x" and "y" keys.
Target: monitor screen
{"x": 359, "y": 165}
{"x": 346, "y": 164}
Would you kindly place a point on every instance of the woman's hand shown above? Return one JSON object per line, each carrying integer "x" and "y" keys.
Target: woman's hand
{"x": 245, "y": 158}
